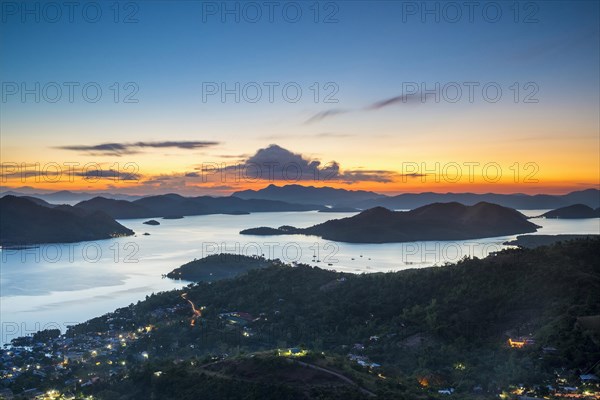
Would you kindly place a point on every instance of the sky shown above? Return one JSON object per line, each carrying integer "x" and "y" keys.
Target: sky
{"x": 203, "y": 97}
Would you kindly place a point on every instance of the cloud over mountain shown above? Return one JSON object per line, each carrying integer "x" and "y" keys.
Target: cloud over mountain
{"x": 275, "y": 163}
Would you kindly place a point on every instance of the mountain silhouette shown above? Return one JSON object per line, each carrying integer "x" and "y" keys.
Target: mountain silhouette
{"x": 173, "y": 204}
{"x": 573, "y": 212}
{"x": 23, "y": 222}
{"x": 348, "y": 199}
{"x": 439, "y": 221}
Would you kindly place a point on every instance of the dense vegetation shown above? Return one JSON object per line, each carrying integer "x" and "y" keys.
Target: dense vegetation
{"x": 438, "y": 221}
{"x": 428, "y": 328}
{"x": 23, "y": 221}
{"x": 574, "y": 211}
{"x": 169, "y": 205}
{"x": 533, "y": 241}
{"x": 217, "y": 266}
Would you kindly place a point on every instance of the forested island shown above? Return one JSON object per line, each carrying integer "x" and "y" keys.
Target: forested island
{"x": 217, "y": 266}
{"x": 24, "y": 222}
{"x": 575, "y": 211}
{"x": 438, "y": 221}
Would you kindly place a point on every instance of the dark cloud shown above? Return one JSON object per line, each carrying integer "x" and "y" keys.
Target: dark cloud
{"x": 274, "y": 163}
{"x": 119, "y": 149}
{"x": 238, "y": 156}
{"x": 360, "y": 175}
{"x": 108, "y": 174}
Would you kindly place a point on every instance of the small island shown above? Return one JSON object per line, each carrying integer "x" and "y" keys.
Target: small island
{"x": 576, "y": 211}
{"x": 152, "y": 222}
{"x": 173, "y": 217}
{"x": 438, "y": 221}
{"x": 218, "y": 266}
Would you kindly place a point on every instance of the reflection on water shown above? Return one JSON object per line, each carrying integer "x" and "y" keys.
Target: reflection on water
{"x": 60, "y": 284}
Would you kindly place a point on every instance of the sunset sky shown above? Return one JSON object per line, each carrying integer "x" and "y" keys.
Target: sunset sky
{"x": 170, "y": 127}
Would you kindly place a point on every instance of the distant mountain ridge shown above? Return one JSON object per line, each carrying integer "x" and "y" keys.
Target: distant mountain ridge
{"x": 308, "y": 194}
{"x": 23, "y": 222}
{"x": 64, "y": 196}
{"x": 438, "y": 221}
{"x": 167, "y": 205}
{"x": 589, "y": 197}
{"x": 341, "y": 198}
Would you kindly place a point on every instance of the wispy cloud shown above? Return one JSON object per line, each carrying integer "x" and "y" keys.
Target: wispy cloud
{"x": 54, "y": 175}
{"x": 326, "y": 114}
{"x": 119, "y": 149}
{"x": 402, "y": 99}
{"x": 320, "y": 135}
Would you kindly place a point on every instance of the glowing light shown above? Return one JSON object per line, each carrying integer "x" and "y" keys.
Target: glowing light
{"x": 293, "y": 352}
{"x": 460, "y": 366}
{"x": 197, "y": 312}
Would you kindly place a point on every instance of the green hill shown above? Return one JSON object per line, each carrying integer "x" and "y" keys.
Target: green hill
{"x": 480, "y": 327}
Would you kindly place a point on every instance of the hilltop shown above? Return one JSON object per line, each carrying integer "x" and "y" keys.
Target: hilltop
{"x": 575, "y": 211}
{"x": 23, "y": 221}
{"x": 217, "y": 266}
{"x": 173, "y": 204}
{"x": 439, "y": 221}
{"x": 401, "y": 335}
{"x": 308, "y": 194}
{"x": 350, "y": 199}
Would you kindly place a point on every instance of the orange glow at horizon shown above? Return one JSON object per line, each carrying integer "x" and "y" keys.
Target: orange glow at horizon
{"x": 398, "y": 186}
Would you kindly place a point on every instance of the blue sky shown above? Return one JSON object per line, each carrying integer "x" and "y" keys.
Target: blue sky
{"x": 368, "y": 53}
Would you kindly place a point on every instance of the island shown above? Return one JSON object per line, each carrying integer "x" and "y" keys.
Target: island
{"x": 438, "y": 221}
{"x": 576, "y": 211}
{"x": 218, "y": 266}
{"x": 152, "y": 222}
{"x": 23, "y": 222}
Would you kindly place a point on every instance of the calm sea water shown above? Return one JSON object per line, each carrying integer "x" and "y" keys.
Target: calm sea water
{"x": 53, "y": 286}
